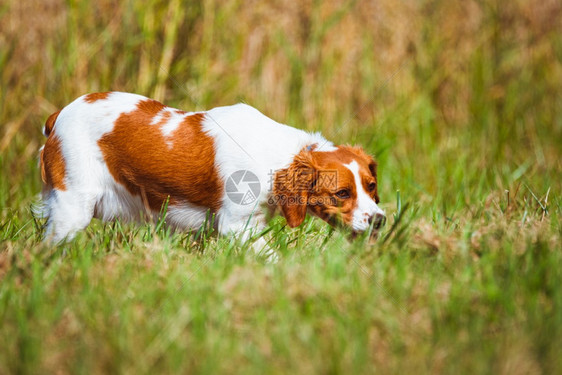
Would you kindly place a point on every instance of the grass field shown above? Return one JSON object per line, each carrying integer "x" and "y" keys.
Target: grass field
{"x": 461, "y": 102}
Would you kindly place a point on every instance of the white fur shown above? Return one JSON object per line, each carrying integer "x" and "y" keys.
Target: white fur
{"x": 366, "y": 207}
{"x": 186, "y": 215}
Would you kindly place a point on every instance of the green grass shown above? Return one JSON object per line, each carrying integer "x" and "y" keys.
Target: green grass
{"x": 461, "y": 104}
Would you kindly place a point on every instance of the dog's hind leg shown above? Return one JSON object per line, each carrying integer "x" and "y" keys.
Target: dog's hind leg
{"x": 67, "y": 212}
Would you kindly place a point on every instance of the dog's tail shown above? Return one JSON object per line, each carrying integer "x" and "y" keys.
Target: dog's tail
{"x": 47, "y": 130}
{"x": 50, "y": 123}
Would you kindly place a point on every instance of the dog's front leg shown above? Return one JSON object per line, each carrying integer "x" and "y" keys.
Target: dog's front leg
{"x": 245, "y": 229}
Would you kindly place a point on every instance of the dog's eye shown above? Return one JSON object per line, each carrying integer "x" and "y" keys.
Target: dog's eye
{"x": 343, "y": 194}
{"x": 372, "y": 186}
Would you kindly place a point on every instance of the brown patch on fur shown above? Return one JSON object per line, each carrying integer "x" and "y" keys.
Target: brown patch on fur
{"x": 53, "y": 168}
{"x": 95, "y": 96}
{"x": 313, "y": 179}
{"x": 140, "y": 158}
{"x": 50, "y": 123}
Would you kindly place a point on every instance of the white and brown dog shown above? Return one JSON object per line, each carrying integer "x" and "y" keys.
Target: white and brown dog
{"x": 118, "y": 155}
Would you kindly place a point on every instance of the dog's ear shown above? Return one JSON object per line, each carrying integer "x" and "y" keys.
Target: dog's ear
{"x": 292, "y": 187}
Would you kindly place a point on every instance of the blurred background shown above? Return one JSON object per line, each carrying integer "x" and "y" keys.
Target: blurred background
{"x": 457, "y": 99}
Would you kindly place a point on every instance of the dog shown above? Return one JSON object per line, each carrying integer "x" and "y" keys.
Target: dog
{"x": 116, "y": 155}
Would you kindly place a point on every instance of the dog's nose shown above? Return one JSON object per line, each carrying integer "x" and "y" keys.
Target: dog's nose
{"x": 378, "y": 221}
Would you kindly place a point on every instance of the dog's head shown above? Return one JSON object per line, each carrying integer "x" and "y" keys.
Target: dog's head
{"x": 338, "y": 186}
